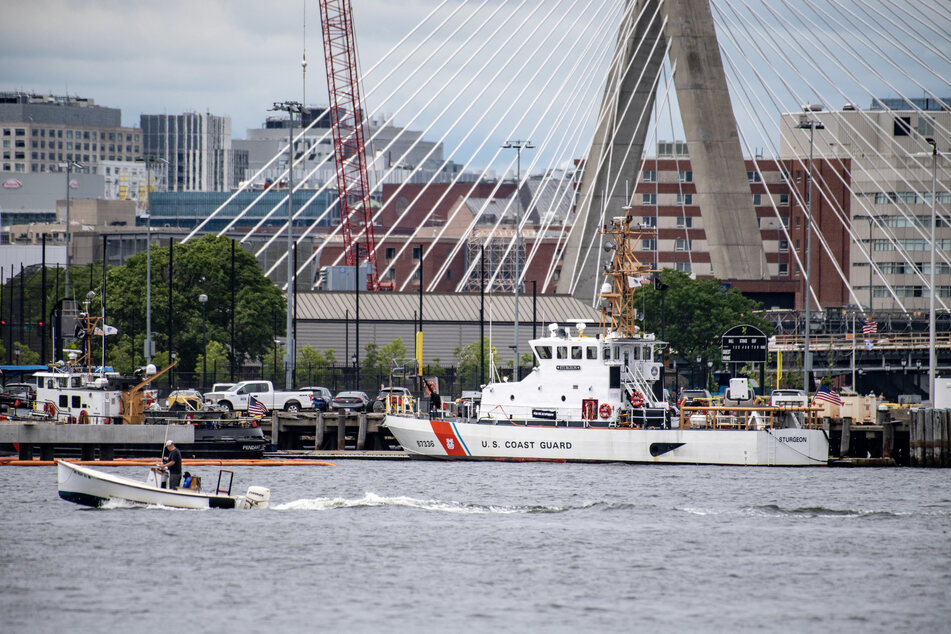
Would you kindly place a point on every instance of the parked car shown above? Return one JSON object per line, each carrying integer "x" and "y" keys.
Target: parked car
{"x": 322, "y": 397}
{"x": 694, "y": 398}
{"x": 179, "y": 400}
{"x": 238, "y": 397}
{"x": 788, "y": 398}
{"x": 379, "y": 403}
{"x": 18, "y": 395}
{"x": 350, "y": 400}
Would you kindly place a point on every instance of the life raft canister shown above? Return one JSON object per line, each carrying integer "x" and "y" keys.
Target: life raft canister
{"x": 605, "y": 410}
{"x": 49, "y": 409}
{"x": 637, "y": 399}
{"x": 83, "y": 417}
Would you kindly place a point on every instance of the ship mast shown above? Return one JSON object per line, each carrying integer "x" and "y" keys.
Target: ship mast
{"x": 623, "y": 274}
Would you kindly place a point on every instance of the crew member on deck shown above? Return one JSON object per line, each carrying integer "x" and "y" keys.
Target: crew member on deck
{"x": 174, "y": 464}
{"x": 435, "y": 403}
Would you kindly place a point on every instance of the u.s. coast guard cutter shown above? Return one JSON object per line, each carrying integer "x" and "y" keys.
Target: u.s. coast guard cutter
{"x": 596, "y": 398}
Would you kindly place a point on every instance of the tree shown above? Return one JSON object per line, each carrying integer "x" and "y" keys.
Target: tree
{"x": 697, "y": 313}
{"x": 24, "y": 355}
{"x": 217, "y": 365}
{"x": 468, "y": 360}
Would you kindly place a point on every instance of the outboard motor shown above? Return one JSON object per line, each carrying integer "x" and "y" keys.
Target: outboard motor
{"x": 256, "y": 498}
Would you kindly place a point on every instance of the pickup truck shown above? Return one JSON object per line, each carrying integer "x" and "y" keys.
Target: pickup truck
{"x": 236, "y": 398}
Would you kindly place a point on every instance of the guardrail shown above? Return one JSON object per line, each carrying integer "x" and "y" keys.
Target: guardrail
{"x": 746, "y": 418}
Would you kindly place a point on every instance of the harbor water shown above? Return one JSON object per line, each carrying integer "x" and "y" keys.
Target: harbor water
{"x": 369, "y": 546}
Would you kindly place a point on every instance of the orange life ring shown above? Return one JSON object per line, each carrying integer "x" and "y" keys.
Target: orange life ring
{"x": 49, "y": 409}
{"x": 637, "y": 399}
{"x": 605, "y": 410}
{"x": 83, "y": 417}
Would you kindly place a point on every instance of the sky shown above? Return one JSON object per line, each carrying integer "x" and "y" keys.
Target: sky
{"x": 536, "y": 69}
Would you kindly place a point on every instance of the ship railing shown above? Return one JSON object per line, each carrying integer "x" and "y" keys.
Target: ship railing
{"x": 748, "y": 418}
{"x": 399, "y": 404}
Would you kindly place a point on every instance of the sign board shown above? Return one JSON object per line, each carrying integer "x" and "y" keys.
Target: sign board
{"x": 744, "y": 344}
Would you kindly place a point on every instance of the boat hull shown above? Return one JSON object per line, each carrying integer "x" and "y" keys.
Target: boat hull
{"x": 455, "y": 440}
{"x": 90, "y": 487}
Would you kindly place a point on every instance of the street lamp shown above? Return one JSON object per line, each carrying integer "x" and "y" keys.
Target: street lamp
{"x": 69, "y": 166}
{"x": 699, "y": 367}
{"x": 149, "y": 162}
{"x": 812, "y": 125}
{"x": 203, "y": 299}
{"x": 518, "y": 146}
{"x": 932, "y": 358}
{"x": 706, "y": 377}
{"x": 290, "y": 353}
{"x": 356, "y": 371}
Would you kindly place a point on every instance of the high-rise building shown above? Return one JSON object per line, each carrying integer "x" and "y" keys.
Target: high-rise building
{"x": 198, "y": 150}
{"x": 39, "y": 132}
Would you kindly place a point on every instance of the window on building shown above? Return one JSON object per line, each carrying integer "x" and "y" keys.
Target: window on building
{"x": 683, "y": 267}
{"x": 649, "y": 176}
{"x": 684, "y": 222}
{"x": 649, "y": 221}
{"x": 902, "y": 126}
{"x": 682, "y": 244}
{"x": 685, "y": 176}
{"x": 783, "y": 269}
{"x": 648, "y": 244}
{"x": 753, "y": 176}
{"x": 784, "y": 199}
{"x": 416, "y": 252}
{"x": 798, "y": 226}
{"x": 757, "y": 199}
{"x": 783, "y": 246}
{"x": 648, "y": 199}
{"x": 390, "y": 253}
{"x": 925, "y": 126}
{"x": 416, "y": 274}
{"x": 684, "y": 199}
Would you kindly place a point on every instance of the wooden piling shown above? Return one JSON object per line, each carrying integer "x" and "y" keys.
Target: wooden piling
{"x": 319, "y": 432}
{"x": 927, "y": 445}
{"x": 362, "y": 431}
{"x": 342, "y": 430}
{"x": 940, "y": 439}
{"x": 914, "y": 437}
{"x": 107, "y": 452}
{"x": 846, "y": 437}
{"x": 888, "y": 439}
{"x": 275, "y": 428}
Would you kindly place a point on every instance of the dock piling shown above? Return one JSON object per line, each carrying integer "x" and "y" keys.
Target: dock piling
{"x": 319, "y": 432}
{"x": 362, "y": 431}
{"x": 342, "y": 430}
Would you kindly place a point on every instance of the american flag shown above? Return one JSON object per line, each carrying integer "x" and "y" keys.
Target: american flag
{"x": 829, "y": 396}
{"x": 869, "y": 327}
{"x": 256, "y": 407}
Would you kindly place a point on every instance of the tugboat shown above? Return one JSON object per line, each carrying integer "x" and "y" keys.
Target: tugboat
{"x": 598, "y": 399}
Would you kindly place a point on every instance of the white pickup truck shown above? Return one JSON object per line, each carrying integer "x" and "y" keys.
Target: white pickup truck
{"x": 236, "y": 398}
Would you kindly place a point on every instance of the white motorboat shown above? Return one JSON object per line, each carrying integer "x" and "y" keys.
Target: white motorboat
{"x": 597, "y": 398}
{"x": 91, "y": 487}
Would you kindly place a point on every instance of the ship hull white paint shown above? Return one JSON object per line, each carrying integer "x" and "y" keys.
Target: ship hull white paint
{"x": 454, "y": 440}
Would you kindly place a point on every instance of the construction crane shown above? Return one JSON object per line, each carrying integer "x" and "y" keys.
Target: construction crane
{"x": 346, "y": 116}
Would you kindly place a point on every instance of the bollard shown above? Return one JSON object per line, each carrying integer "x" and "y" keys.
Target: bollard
{"x": 362, "y": 431}
{"x": 342, "y": 429}
{"x": 319, "y": 432}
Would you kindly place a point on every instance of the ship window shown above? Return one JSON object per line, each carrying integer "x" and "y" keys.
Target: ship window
{"x": 576, "y": 352}
{"x": 592, "y": 352}
{"x": 62, "y": 382}
{"x": 544, "y": 352}
{"x": 63, "y": 400}
{"x": 75, "y": 382}
{"x": 77, "y": 401}
{"x": 50, "y": 384}
{"x": 562, "y": 352}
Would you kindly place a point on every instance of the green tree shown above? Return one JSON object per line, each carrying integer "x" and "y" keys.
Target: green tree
{"x": 217, "y": 366}
{"x": 697, "y": 313}
{"x": 468, "y": 361}
{"x": 24, "y": 355}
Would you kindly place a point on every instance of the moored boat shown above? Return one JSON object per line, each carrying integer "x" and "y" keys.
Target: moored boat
{"x": 91, "y": 487}
{"x": 599, "y": 399}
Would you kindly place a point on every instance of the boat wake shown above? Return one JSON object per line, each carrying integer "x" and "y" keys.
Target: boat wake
{"x": 374, "y": 500}
{"x": 809, "y": 512}
{"x": 114, "y": 503}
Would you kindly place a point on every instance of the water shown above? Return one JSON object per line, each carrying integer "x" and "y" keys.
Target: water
{"x": 427, "y": 546}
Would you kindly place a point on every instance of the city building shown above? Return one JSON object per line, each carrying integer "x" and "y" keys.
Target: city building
{"x": 885, "y": 214}
{"x": 197, "y": 148}
{"x": 38, "y": 133}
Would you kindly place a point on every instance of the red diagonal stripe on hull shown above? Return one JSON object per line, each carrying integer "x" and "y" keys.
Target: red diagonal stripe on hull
{"x": 447, "y": 438}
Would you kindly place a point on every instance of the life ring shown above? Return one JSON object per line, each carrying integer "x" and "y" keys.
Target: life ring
{"x": 49, "y": 409}
{"x": 189, "y": 417}
{"x": 83, "y": 417}
{"x": 637, "y": 399}
{"x": 605, "y": 410}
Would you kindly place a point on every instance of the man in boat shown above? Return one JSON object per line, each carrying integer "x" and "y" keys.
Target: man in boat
{"x": 174, "y": 465}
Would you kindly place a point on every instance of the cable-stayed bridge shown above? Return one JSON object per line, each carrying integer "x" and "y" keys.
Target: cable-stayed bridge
{"x": 599, "y": 87}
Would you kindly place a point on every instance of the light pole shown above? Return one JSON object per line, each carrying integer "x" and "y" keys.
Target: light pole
{"x": 518, "y": 146}
{"x": 147, "y": 344}
{"x": 870, "y": 267}
{"x": 290, "y": 352}
{"x": 203, "y": 299}
{"x": 932, "y": 357}
{"x": 812, "y": 125}
{"x": 706, "y": 377}
{"x": 69, "y": 166}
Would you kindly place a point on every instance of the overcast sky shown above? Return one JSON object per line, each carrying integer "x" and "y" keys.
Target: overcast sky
{"x": 237, "y": 57}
